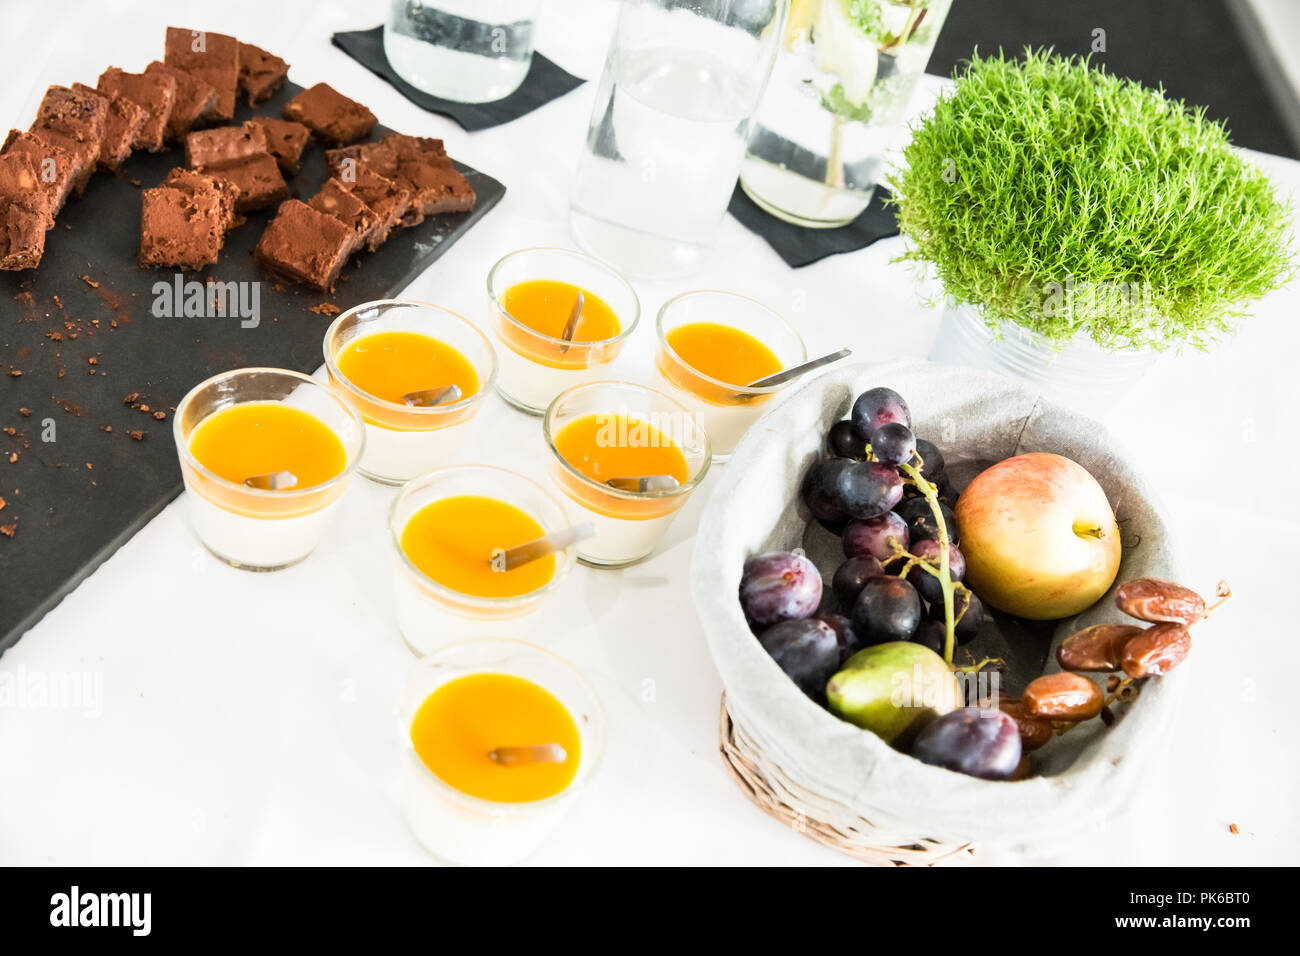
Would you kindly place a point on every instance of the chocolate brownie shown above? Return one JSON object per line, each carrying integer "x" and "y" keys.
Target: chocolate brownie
{"x": 258, "y": 178}
{"x": 305, "y": 245}
{"x": 155, "y": 93}
{"x": 122, "y": 124}
{"x": 211, "y": 57}
{"x": 260, "y": 73}
{"x": 55, "y": 168}
{"x": 180, "y": 228}
{"x": 285, "y": 140}
{"x": 81, "y": 155}
{"x": 194, "y": 98}
{"x": 331, "y": 115}
{"x": 388, "y": 200}
{"x": 81, "y": 116}
{"x": 334, "y": 200}
{"x": 199, "y": 184}
{"x": 24, "y": 213}
{"x": 418, "y": 163}
{"x": 223, "y": 144}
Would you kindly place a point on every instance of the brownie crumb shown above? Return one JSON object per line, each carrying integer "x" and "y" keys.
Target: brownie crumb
{"x": 326, "y": 308}
{"x": 25, "y": 412}
{"x": 90, "y": 282}
{"x": 10, "y": 529}
{"x": 160, "y": 416}
{"x": 130, "y": 399}
{"x": 137, "y": 435}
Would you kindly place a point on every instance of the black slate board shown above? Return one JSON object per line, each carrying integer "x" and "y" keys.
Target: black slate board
{"x": 71, "y": 517}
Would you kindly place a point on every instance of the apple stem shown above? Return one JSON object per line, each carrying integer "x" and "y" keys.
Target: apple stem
{"x": 931, "y": 494}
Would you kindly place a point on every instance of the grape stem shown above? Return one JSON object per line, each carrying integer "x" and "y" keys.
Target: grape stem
{"x": 931, "y": 494}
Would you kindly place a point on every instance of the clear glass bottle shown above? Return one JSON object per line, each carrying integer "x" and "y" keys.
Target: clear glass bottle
{"x": 668, "y": 130}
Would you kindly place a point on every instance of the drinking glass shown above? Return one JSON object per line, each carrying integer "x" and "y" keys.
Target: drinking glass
{"x": 470, "y": 51}
{"x": 681, "y": 81}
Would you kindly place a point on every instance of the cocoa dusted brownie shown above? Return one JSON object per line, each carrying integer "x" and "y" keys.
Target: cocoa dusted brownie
{"x": 24, "y": 213}
{"x": 305, "y": 245}
{"x": 153, "y": 92}
{"x": 81, "y": 116}
{"x": 223, "y": 144}
{"x": 258, "y": 178}
{"x": 211, "y": 57}
{"x": 81, "y": 156}
{"x": 260, "y": 73}
{"x": 122, "y": 124}
{"x": 198, "y": 184}
{"x": 331, "y": 115}
{"x": 418, "y": 163}
{"x": 181, "y": 227}
{"x": 194, "y": 98}
{"x": 56, "y": 169}
{"x": 388, "y": 200}
{"x": 334, "y": 200}
{"x": 285, "y": 140}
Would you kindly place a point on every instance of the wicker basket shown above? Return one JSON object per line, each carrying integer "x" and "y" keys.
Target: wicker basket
{"x": 844, "y": 787}
{"x": 816, "y": 817}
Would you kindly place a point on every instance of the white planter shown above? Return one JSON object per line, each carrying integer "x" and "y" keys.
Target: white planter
{"x": 975, "y": 418}
{"x": 1080, "y": 374}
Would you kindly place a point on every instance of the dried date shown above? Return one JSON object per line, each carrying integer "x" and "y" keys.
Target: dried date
{"x": 1150, "y": 599}
{"x": 1063, "y": 696}
{"x": 1097, "y": 648}
{"x": 1157, "y": 650}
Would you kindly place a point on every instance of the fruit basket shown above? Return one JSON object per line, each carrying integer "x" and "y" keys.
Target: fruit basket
{"x": 845, "y": 786}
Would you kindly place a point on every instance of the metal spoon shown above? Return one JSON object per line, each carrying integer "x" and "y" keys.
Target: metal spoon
{"x": 645, "y": 483}
{"x": 428, "y": 397}
{"x": 571, "y": 326}
{"x": 789, "y": 374}
{"x": 517, "y": 756}
{"x": 510, "y": 558}
{"x": 272, "y": 481}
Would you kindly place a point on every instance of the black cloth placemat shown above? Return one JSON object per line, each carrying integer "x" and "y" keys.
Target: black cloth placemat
{"x": 545, "y": 82}
{"x": 801, "y": 246}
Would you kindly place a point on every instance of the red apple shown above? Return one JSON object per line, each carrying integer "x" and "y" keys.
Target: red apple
{"x": 1039, "y": 537}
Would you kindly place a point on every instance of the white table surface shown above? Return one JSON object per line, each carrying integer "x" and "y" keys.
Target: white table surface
{"x": 250, "y": 718}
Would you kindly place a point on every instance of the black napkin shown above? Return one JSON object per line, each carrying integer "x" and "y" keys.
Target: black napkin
{"x": 545, "y": 82}
{"x": 801, "y": 246}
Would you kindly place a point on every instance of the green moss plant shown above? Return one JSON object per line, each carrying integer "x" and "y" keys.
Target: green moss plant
{"x": 1058, "y": 197}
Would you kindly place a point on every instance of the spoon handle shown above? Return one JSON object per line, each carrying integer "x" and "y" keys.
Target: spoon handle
{"x": 786, "y": 375}
{"x": 511, "y": 558}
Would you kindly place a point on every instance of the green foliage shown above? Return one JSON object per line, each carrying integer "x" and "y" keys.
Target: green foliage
{"x": 1037, "y": 176}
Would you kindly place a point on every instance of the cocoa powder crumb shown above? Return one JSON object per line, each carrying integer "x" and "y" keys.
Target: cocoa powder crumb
{"x": 326, "y": 308}
{"x": 25, "y": 412}
{"x": 10, "y": 529}
{"x": 90, "y": 282}
{"x": 130, "y": 399}
{"x": 16, "y": 373}
{"x": 137, "y": 435}
{"x": 160, "y": 416}
{"x": 13, "y": 457}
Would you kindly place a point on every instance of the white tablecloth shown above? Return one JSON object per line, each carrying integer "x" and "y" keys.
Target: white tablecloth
{"x": 250, "y": 718}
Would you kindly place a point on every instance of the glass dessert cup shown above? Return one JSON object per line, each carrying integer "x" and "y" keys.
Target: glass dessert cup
{"x": 429, "y": 613}
{"x": 535, "y": 367}
{"x": 457, "y": 827}
{"x": 724, "y": 410}
{"x": 259, "y": 529}
{"x": 402, "y": 440}
{"x": 629, "y": 524}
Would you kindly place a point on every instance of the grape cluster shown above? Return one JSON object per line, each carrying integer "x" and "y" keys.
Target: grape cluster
{"x": 888, "y": 588}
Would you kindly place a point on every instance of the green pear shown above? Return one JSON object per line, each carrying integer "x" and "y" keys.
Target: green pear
{"x": 894, "y": 690}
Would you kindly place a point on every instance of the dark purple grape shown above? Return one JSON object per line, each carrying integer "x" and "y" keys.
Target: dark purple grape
{"x": 928, "y": 453}
{"x": 924, "y": 582}
{"x": 887, "y": 609}
{"x": 873, "y": 535}
{"x": 867, "y": 489}
{"x": 924, "y": 527}
{"x": 931, "y": 634}
{"x": 820, "y": 490}
{"x": 893, "y": 443}
{"x": 876, "y": 407}
{"x": 912, "y": 508}
{"x": 848, "y": 639}
{"x": 849, "y": 578}
{"x": 844, "y": 442}
{"x": 807, "y": 650}
{"x": 947, "y": 492}
{"x": 967, "y": 610}
{"x": 778, "y": 586}
{"x": 974, "y": 741}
